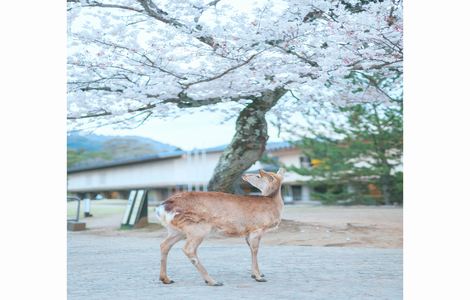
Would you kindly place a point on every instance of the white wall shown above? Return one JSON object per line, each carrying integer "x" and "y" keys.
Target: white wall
{"x": 289, "y": 157}
{"x": 163, "y": 173}
{"x": 160, "y": 173}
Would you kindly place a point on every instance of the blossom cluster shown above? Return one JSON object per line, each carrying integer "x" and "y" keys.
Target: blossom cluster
{"x": 131, "y": 56}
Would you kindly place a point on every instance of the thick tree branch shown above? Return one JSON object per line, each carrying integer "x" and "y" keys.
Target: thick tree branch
{"x": 182, "y": 101}
{"x": 153, "y": 11}
{"x": 248, "y": 143}
{"x": 150, "y": 9}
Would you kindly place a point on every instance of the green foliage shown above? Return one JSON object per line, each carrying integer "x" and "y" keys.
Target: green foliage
{"x": 397, "y": 191}
{"x": 119, "y": 147}
{"x": 356, "y": 163}
{"x": 77, "y": 156}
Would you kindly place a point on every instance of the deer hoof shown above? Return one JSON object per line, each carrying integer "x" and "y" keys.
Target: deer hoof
{"x": 253, "y": 276}
{"x": 167, "y": 281}
{"x": 260, "y": 279}
{"x": 216, "y": 283}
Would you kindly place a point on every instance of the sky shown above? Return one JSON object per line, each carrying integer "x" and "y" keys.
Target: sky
{"x": 201, "y": 129}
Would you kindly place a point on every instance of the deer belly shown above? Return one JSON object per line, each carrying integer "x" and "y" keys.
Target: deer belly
{"x": 244, "y": 228}
{"x": 231, "y": 229}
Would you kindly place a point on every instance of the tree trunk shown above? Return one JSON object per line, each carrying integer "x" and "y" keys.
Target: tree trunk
{"x": 387, "y": 187}
{"x": 247, "y": 145}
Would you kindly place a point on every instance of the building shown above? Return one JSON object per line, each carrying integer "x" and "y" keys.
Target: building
{"x": 166, "y": 173}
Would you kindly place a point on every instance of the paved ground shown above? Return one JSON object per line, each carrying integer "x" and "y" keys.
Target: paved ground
{"x": 123, "y": 267}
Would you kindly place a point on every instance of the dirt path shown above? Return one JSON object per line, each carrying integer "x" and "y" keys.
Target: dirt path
{"x": 302, "y": 225}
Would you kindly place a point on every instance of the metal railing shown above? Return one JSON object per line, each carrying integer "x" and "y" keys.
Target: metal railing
{"x": 75, "y": 198}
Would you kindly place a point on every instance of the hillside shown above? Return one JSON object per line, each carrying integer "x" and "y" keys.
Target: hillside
{"x": 95, "y": 148}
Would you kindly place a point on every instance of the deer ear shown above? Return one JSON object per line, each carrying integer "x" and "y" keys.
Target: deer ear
{"x": 281, "y": 172}
{"x": 262, "y": 172}
{"x": 249, "y": 178}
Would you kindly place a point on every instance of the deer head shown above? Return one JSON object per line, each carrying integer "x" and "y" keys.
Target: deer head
{"x": 267, "y": 182}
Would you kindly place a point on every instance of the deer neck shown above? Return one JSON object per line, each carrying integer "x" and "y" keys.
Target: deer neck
{"x": 276, "y": 195}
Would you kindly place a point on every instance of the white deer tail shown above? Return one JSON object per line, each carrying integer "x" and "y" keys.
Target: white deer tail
{"x": 163, "y": 216}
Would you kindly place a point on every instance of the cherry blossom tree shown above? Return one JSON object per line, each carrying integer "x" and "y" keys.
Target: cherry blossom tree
{"x": 130, "y": 60}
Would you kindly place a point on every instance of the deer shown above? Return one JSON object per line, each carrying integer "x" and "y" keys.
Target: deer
{"x": 194, "y": 215}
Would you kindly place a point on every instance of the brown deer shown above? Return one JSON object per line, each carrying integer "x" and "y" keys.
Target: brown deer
{"x": 193, "y": 215}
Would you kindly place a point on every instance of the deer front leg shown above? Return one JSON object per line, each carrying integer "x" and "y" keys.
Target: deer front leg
{"x": 253, "y": 240}
{"x": 248, "y": 243}
{"x": 172, "y": 238}
{"x": 190, "y": 249}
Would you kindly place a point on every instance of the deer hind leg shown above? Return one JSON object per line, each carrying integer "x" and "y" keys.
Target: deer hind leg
{"x": 190, "y": 249}
{"x": 172, "y": 238}
{"x": 253, "y": 240}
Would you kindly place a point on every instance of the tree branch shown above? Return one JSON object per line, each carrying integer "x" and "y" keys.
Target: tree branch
{"x": 224, "y": 72}
{"x": 150, "y": 9}
{"x": 182, "y": 101}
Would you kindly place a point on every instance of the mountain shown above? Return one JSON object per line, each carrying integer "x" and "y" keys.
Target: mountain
{"x": 91, "y": 147}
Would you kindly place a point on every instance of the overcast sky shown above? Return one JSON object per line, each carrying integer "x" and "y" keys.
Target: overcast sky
{"x": 198, "y": 130}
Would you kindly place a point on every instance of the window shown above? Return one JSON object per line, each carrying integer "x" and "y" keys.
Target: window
{"x": 297, "y": 192}
{"x": 305, "y": 162}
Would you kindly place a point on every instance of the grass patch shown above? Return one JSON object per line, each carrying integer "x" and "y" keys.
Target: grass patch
{"x": 98, "y": 208}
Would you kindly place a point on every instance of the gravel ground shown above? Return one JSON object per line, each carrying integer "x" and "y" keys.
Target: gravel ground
{"x": 123, "y": 267}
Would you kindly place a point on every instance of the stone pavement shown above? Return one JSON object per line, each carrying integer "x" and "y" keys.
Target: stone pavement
{"x": 101, "y": 267}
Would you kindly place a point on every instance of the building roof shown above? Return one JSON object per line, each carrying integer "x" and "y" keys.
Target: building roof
{"x": 273, "y": 146}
